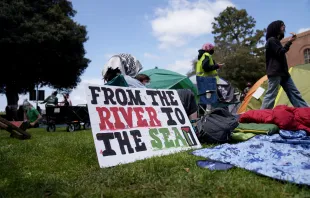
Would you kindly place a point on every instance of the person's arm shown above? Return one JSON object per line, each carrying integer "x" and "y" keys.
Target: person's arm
{"x": 277, "y": 48}
{"x": 25, "y": 116}
{"x": 46, "y": 99}
{"x": 207, "y": 67}
{"x": 38, "y": 118}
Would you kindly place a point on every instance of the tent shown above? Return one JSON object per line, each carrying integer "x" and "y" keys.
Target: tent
{"x": 166, "y": 79}
{"x": 300, "y": 75}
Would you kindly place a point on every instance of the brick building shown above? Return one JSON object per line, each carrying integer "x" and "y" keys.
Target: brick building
{"x": 299, "y": 52}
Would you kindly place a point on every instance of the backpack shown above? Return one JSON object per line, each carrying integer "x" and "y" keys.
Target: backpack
{"x": 216, "y": 127}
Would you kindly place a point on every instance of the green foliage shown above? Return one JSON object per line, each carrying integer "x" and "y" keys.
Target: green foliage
{"x": 235, "y": 26}
{"x": 236, "y": 43}
{"x": 243, "y": 67}
{"x": 40, "y": 43}
{"x": 63, "y": 164}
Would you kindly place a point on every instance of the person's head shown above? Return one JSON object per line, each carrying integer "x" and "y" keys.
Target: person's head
{"x": 208, "y": 47}
{"x": 276, "y": 29}
{"x": 55, "y": 93}
{"x": 26, "y": 105}
{"x": 111, "y": 73}
{"x": 124, "y": 64}
{"x": 66, "y": 95}
{"x": 144, "y": 79}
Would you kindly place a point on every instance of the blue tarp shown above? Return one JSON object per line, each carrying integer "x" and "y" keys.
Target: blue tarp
{"x": 283, "y": 161}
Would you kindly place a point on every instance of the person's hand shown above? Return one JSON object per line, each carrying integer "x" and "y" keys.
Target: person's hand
{"x": 293, "y": 38}
{"x": 220, "y": 65}
{"x": 32, "y": 124}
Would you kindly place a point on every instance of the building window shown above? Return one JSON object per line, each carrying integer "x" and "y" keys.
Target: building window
{"x": 307, "y": 55}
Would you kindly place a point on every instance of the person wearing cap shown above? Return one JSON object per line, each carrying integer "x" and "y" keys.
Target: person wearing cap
{"x": 31, "y": 115}
{"x": 206, "y": 66}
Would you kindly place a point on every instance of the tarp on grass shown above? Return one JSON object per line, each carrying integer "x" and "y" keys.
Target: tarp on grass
{"x": 287, "y": 162}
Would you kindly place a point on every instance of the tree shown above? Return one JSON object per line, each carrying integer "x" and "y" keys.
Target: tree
{"x": 236, "y": 43}
{"x": 236, "y": 40}
{"x": 39, "y": 44}
{"x": 234, "y": 26}
{"x": 243, "y": 67}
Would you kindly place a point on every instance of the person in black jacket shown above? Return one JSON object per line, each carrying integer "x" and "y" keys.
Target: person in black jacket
{"x": 277, "y": 67}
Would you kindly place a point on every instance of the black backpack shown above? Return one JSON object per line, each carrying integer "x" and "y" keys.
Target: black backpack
{"x": 216, "y": 127}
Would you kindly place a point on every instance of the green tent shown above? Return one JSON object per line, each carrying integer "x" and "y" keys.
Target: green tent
{"x": 166, "y": 79}
{"x": 300, "y": 74}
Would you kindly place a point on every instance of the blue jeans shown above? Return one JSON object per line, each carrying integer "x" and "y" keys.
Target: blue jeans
{"x": 290, "y": 89}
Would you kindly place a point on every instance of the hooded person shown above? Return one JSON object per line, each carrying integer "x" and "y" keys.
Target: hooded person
{"x": 206, "y": 66}
{"x": 277, "y": 67}
{"x": 123, "y": 64}
{"x": 247, "y": 88}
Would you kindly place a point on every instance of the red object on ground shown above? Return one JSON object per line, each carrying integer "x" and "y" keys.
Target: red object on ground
{"x": 16, "y": 123}
{"x": 288, "y": 118}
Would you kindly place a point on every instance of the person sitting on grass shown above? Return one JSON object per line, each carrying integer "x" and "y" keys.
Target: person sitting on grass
{"x": 31, "y": 115}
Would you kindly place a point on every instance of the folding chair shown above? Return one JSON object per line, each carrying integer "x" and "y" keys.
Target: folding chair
{"x": 209, "y": 98}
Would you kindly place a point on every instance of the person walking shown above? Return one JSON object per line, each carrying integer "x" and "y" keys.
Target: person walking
{"x": 277, "y": 67}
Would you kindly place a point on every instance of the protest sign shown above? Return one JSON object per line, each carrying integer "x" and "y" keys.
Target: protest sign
{"x": 133, "y": 124}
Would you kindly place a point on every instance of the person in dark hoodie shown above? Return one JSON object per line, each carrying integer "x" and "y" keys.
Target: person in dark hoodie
{"x": 206, "y": 66}
{"x": 277, "y": 67}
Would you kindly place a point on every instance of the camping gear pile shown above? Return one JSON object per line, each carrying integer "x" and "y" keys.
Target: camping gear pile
{"x": 272, "y": 142}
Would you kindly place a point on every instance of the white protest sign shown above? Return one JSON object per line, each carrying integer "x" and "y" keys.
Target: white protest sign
{"x": 133, "y": 124}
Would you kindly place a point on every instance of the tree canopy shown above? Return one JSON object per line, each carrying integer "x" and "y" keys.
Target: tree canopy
{"x": 40, "y": 43}
{"x": 236, "y": 43}
{"x": 234, "y": 26}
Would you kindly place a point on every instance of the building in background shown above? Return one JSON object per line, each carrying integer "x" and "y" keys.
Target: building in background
{"x": 299, "y": 52}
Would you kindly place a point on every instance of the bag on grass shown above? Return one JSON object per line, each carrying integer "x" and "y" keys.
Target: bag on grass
{"x": 216, "y": 127}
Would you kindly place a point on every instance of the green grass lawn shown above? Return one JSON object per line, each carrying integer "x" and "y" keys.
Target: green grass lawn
{"x": 63, "y": 164}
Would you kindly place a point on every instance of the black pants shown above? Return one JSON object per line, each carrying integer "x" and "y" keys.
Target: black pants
{"x": 26, "y": 125}
{"x": 188, "y": 101}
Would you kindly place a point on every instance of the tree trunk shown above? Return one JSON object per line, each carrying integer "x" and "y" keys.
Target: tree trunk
{"x": 11, "y": 93}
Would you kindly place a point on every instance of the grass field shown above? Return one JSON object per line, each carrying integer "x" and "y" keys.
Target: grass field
{"x": 63, "y": 164}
